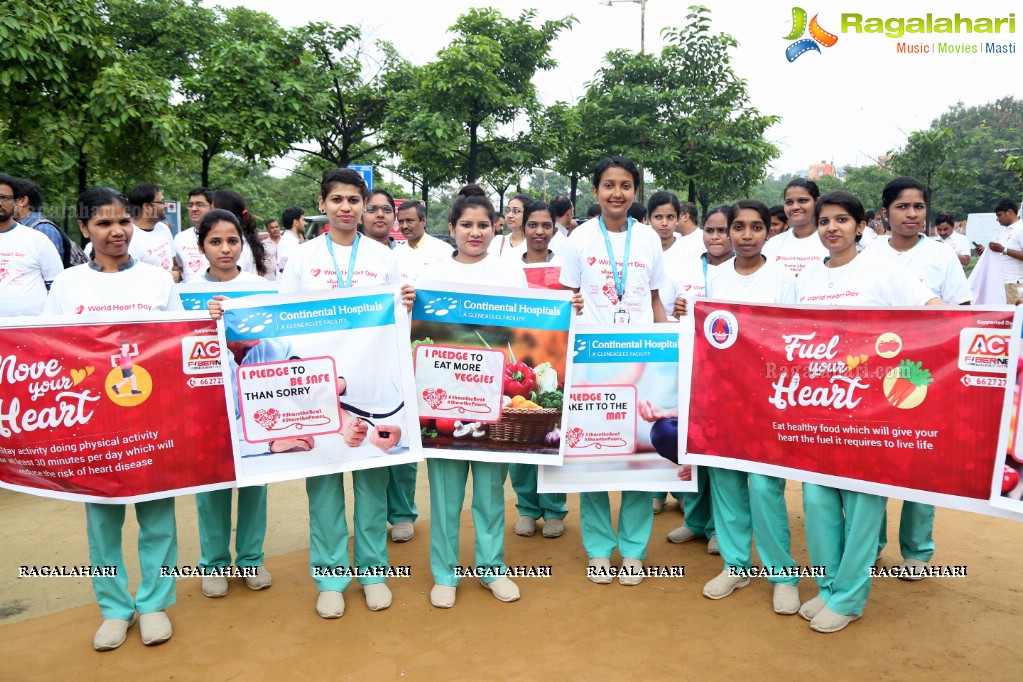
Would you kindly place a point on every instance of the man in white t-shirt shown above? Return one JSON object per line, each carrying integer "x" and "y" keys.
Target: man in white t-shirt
{"x": 187, "y": 253}
{"x": 563, "y": 211}
{"x": 151, "y": 237}
{"x": 29, "y": 261}
{"x": 690, "y": 236}
{"x": 1009, "y": 246}
{"x": 944, "y": 224}
{"x": 292, "y": 234}
{"x": 419, "y": 249}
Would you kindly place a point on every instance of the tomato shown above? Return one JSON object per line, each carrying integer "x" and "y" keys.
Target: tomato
{"x": 425, "y": 422}
{"x": 1010, "y": 479}
{"x": 446, "y": 427}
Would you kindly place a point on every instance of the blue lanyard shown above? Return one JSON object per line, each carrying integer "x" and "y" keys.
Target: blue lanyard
{"x": 619, "y": 277}
{"x": 706, "y": 283}
{"x": 351, "y": 261}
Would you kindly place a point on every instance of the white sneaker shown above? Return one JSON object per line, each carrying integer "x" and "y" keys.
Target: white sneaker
{"x": 260, "y": 581}
{"x": 723, "y": 585}
{"x": 913, "y": 569}
{"x": 599, "y": 571}
{"x": 214, "y": 586}
{"x": 403, "y": 531}
{"x": 658, "y": 505}
{"x": 378, "y": 596}
{"x": 712, "y": 546}
{"x": 553, "y": 528}
{"x": 680, "y": 535}
{"x": 112, "y": 633}
{"x": 155, "y": 628}
{"x": 786, "y": 599}
{"x": 442, "y": 596}
{"x": 827, "y": 620}
{"x": 526, "y": 526}
{"x": 811, "y": 608}
{"x": 330, "y": 604}
{"x": 631, "y": 572}
{"x": 504, "y": 589}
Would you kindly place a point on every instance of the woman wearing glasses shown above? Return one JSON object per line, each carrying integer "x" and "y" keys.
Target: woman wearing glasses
{"x": 378, "y": 218}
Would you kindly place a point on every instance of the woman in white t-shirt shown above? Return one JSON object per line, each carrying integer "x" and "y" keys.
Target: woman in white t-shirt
{"x": 904, "y": 203}
{"x": 341, "y": 258}
{"x": 617, "y": 266}
{"x": 752, "y": 505}
{"x": 219, "y": 238}
{"x": 471, "y": 224}
{"x": 842, "y": 526}
{"x": 539, "y": 261}
{"x": 113, "y": 276}
{"x": 798, "y": 246}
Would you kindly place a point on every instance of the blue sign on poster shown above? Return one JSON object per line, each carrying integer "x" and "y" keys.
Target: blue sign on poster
{"x": 366, "y": 171}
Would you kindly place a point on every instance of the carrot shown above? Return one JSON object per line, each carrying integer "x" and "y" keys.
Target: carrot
{"x": 911, "y": 376}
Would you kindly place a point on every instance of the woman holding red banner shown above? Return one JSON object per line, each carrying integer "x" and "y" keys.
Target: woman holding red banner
{"x": 904, "y": 205}
{"x": 471, "y": 223}
{"x": 617, "y": 266}
{"x": 114, "y": 277}
{"x": 842, "y": 526}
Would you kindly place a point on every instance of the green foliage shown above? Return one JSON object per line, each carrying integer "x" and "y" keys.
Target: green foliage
{"x": 934, "y": 157}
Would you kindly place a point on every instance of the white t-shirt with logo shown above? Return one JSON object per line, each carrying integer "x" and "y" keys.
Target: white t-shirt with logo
{"x": 683, "y": 275}
{"x": 935, "y": 265}
{"x": 157, "y": 244}
{"x": 139, "y": 289}
{"x": 412, "y": 261}
{"x": 28, "y": 259}
{"x": 286, "y": 247}
{"x": 189, "y": 255}
{"x": 692, "y": 243}
{"x": 867, "y": 280}
{"x": 310, "y": 266}
{"x": 586, "y": 266}
{"x": 958, "y": 242}
{"x": 795, "y": 253}
{"x": 502, "y": 247}
{"x": 771, "y": 283}
{"x": 492, "y": 271}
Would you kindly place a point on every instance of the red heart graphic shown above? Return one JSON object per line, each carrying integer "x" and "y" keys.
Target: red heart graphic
{"x": 573, "y": 436}
{"x": 315, "y": 272}
{"x": 3, "y": 274}
{"x": 267, "y": 418}
{"x": 79, "y": 309}
{"x": 687, "y": 287}
{"x": 611, "y": 292}
{"x": 195, "y": 265}
{"x": 434, "y": 397}
{"x": 591, "y": 260}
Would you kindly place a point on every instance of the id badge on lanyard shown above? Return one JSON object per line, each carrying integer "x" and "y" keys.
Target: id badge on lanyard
{"x": 622, "y": 316}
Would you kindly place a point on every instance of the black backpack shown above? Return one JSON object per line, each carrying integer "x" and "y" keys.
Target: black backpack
{"x": 73, "y": 254}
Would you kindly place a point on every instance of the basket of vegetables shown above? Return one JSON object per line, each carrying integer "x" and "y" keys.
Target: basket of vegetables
{"x": 531, "y": 411}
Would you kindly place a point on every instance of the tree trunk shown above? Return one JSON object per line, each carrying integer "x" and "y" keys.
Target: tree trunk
{"x": 205, "y": 180}
{"x": 426, "y": 195}
{"x": 470, "y": 170}
{"x": 574, "y": 187}
{"x": 83, "y": 171}
{"x": 692, "y": 192}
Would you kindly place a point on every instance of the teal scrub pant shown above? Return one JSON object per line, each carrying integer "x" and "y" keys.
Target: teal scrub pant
{"x": 215, "y": 527}
{"x": 328, "y": 532}
{"x": 447, "y": 492}
{"x": 370, "y": 519}
{"x": 664, "y": 496}
{"x": 401, "y": 493}
{"x": 532, "y": 503}
{"x": 916, "y": 531}
{"x": 841, "y": 533}
{"x": 157, "y": 547}
{"x": 747, "y": 506}
{"x": 697, "y": 507}
{"x": 635, "y": 522}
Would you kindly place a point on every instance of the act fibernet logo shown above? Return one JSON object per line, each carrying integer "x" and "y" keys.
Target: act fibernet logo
{"x": 954, "y": 33}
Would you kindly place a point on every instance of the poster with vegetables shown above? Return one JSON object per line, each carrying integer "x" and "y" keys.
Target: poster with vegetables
{"x": 622, "y": 406}
{"x": 318, "y": 382}
{"x": 903, "y": 402}
{"x": 490, "y": 370}
{"x": 1007, "y": 478}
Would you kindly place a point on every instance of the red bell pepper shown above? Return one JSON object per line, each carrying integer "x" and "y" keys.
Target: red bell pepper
{"x": 519, "y": 379}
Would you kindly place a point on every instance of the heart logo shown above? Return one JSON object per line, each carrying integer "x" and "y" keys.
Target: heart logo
{"x": 611, "y": 293}
{"x": 854, "y": 361}
{"x": 78, "y": 375}
{"x": 195, "y": 265}
{"x": 79, "y": 309}
{"x": 3, "y": 274}
{"x": 574, "y": 435}
{"x": 591, "y": 260}
{"x": 687, "y": 287}
{"x": 267, "y": 418}
{"x": 434, "y": 397}
{"x": 315, "y": 272}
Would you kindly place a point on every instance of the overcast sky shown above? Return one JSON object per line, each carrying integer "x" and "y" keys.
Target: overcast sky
{"x": 847, "y": 104}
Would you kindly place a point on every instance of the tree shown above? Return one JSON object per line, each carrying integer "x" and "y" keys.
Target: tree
{"x": 933, "y": 157}
{"x": 481, "y": 81}
{"x": 867, "y": 182}
{"x": 250, "y": 92}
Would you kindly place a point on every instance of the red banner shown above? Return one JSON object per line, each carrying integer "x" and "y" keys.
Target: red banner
{"x": 899, "y": 402}
{"x": 113, "y": 412}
